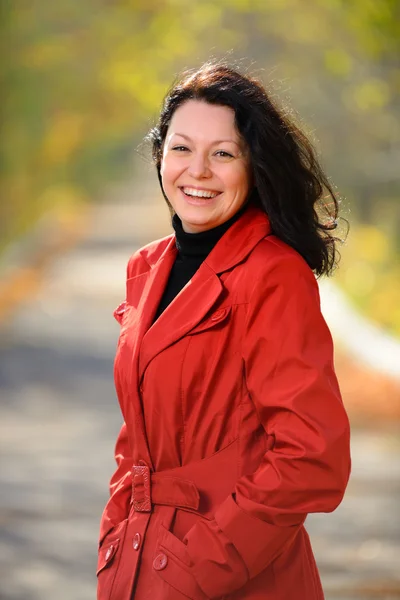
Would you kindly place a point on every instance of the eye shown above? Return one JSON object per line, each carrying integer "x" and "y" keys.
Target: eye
{"x": 180, "y": 148}
{"x": 224, "y": 154}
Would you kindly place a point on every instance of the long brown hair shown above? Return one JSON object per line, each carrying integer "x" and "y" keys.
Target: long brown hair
{"x": 289, "y": 182}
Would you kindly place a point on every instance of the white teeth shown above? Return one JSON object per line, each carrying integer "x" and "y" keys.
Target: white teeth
{"x": 199, "y": 193}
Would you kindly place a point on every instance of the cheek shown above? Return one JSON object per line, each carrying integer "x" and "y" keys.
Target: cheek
{"x": 169, "y": 171}
{"x": 238, "y": 181}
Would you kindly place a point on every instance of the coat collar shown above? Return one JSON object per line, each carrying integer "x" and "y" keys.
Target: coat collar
{"x": 240, "y": 239}
{"x": 197, "y": 298}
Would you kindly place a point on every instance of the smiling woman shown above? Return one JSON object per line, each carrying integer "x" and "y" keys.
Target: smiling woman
{"x": 234, "y": 429}
{"x": 206, "y": 172}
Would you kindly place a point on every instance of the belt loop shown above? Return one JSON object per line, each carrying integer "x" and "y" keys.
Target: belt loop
{"x": 141, "y": 488}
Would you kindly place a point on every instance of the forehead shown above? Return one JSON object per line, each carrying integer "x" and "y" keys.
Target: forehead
{"x": 200, "y": 120}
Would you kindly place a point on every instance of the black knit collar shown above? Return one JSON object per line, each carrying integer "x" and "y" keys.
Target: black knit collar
{"x": 200, "y": 244}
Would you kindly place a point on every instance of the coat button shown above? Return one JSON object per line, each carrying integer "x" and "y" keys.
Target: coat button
{"x": 120, "y": 308}
{"x": 160, "y": 562}
{"x": 109, "y": 552}
{"x": 136, "y": 541}
{"x": 218, "y": 314}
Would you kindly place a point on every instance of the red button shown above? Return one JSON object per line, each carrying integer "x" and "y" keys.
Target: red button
{"x": 121, "y": 308}
{"x": 136, "y": 541}
{"x": 160, "y": 562}
{"x": 218, "y": 314}
{"x": 109, "y": 552}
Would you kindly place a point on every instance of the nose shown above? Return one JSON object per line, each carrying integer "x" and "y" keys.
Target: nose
{"x": 199, "y": 167}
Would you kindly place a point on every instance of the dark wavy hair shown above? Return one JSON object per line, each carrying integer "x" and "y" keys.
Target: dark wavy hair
{"x": 289, "y": 182}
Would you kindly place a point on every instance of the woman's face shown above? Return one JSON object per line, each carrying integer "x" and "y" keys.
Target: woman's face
{"x": 205, "y": 166}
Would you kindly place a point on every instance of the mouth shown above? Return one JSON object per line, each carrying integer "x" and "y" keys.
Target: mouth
{"x": 199, "y": 193}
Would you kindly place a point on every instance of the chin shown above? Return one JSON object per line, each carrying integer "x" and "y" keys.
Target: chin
{"x": 195, "y": 225}
{"x": 197, "y": 217}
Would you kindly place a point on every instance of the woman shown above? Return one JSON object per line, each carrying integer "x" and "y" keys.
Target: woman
{"x": 234, "y": 427}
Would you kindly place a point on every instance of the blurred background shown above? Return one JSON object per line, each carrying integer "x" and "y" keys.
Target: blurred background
{"x": 82, "y": 83}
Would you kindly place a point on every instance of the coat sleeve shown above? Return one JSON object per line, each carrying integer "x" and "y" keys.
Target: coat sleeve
{"x": 117, "y": 507}
{"x": 288, "y": 361}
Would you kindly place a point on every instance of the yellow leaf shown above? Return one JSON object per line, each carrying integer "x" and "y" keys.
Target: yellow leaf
{"x": 338, "y": 62}
{"x": 371, "y": 244}
{"x": 371, "y": 94}
{"x": 63, "y": 136}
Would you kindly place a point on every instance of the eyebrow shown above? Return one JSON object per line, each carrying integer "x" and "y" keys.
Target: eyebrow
{"x": 214, "y": 143}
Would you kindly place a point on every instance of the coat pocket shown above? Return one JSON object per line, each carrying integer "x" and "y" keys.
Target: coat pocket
{"x": 108, "y": 560}
{"x": 172, "y": 563}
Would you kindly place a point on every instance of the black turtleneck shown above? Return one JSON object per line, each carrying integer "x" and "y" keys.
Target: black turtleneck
{"x": 193, "y": 248}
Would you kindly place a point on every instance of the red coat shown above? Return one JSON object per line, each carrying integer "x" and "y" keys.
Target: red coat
{"x": 234, "y": 427}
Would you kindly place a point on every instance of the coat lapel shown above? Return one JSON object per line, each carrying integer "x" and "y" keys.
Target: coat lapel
{"x": 143, "y": 295}
{"x": 187, "y": 309}
{"x": 146, "y": 298}
{"x": 197, "y": 298}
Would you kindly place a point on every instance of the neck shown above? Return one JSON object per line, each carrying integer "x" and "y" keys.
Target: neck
{"x": 200, "y": 244}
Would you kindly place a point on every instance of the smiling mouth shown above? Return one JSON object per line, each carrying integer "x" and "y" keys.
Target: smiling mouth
{"x": 193, "y": 193}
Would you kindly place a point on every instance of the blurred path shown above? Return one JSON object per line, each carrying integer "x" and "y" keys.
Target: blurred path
{"x": 59, "y": 419}
{"x": 366, "y": 341}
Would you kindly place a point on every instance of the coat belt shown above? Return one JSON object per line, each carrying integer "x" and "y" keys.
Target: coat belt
{"x": 155, "y": 488}
{"x": 197, "y": 486}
